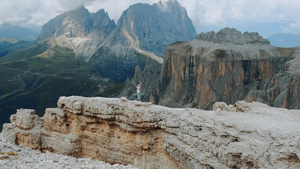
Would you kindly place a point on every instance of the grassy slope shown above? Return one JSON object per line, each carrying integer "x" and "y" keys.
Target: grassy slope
{"x": 35, "y": 78}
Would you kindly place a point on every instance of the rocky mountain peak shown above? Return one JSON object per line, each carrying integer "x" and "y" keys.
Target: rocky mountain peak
{"x": 169, "y": 5}
{"x": 152, "y": 27}
{"x": 78, "y": 23}
{"x": 65, "y": 23}
{"x": 82, "y": 16}
{"x": 231, "y": 35}
{"x": 102, "y": 24}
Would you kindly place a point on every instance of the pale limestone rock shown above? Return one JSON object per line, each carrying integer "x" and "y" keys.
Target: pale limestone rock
{"x": 66, "y": 144}
{"x": 55, "y": 120}
{"x": 124, "y": 99}
{"x": 8, "y": 132}
{"x": 24, "y": 118}
{"x": 246, "y": 135}
{"x": 219, "y": 105}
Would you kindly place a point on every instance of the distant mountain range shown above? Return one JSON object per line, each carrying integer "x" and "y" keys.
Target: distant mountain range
{"x": 15, "y": 32}
{"x": 13, "y": 38}
{"x": 285, "y": 40}
{"x": 8, "y": 45}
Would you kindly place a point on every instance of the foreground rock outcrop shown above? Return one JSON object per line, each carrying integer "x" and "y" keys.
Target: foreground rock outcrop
{"x": 244, "y": 135}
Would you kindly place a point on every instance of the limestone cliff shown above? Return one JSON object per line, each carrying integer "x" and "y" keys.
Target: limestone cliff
{"x": 228, "y": 66}
{"x": 244, "y": 135}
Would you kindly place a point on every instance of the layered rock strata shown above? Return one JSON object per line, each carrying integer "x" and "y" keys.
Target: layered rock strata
{"x": 228, "y": 66}
{"x": 244, "y": 135}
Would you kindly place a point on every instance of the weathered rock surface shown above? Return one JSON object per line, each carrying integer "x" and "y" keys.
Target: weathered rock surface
{"x": 228, "y": 66}
{"x": 244, "y": 135}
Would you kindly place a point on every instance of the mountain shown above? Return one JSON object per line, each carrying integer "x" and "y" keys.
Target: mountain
{"x": 15, "y": 32}
{"x": 226, "y": 66}
{"x": 152, "y": 27}
{"x": 142, "y": 31}
{"x": 285, "y": 40}
{"x": 79, "y": 30}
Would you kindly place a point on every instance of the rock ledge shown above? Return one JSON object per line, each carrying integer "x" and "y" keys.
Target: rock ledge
{"x": 244, "y": 135}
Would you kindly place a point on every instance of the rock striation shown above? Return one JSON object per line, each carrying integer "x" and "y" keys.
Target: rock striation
{"x": 228, "y": 66}
{"x": 243, "y": 135}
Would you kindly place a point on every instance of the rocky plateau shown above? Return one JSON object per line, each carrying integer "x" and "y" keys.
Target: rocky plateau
{"x": 226, "y": 66}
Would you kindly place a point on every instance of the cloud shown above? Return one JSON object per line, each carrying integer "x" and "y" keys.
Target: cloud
{"x": 205, "y": 14}
{"x": 36, "y": 12}
{"x": 115, "y": 8}
{"x": 266, "y": 16}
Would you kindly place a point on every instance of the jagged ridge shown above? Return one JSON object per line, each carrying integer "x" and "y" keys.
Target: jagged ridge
{"x": 231, "y": 35}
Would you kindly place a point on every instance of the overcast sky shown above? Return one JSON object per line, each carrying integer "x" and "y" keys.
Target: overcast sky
{"x": 266, "y": 17}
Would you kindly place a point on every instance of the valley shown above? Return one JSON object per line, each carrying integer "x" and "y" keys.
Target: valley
{"x": 37, "y": 81}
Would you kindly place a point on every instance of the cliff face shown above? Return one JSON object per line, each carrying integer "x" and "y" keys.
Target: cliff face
{"x": 244, "y": 135}
{"x": 237, "y": 67}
